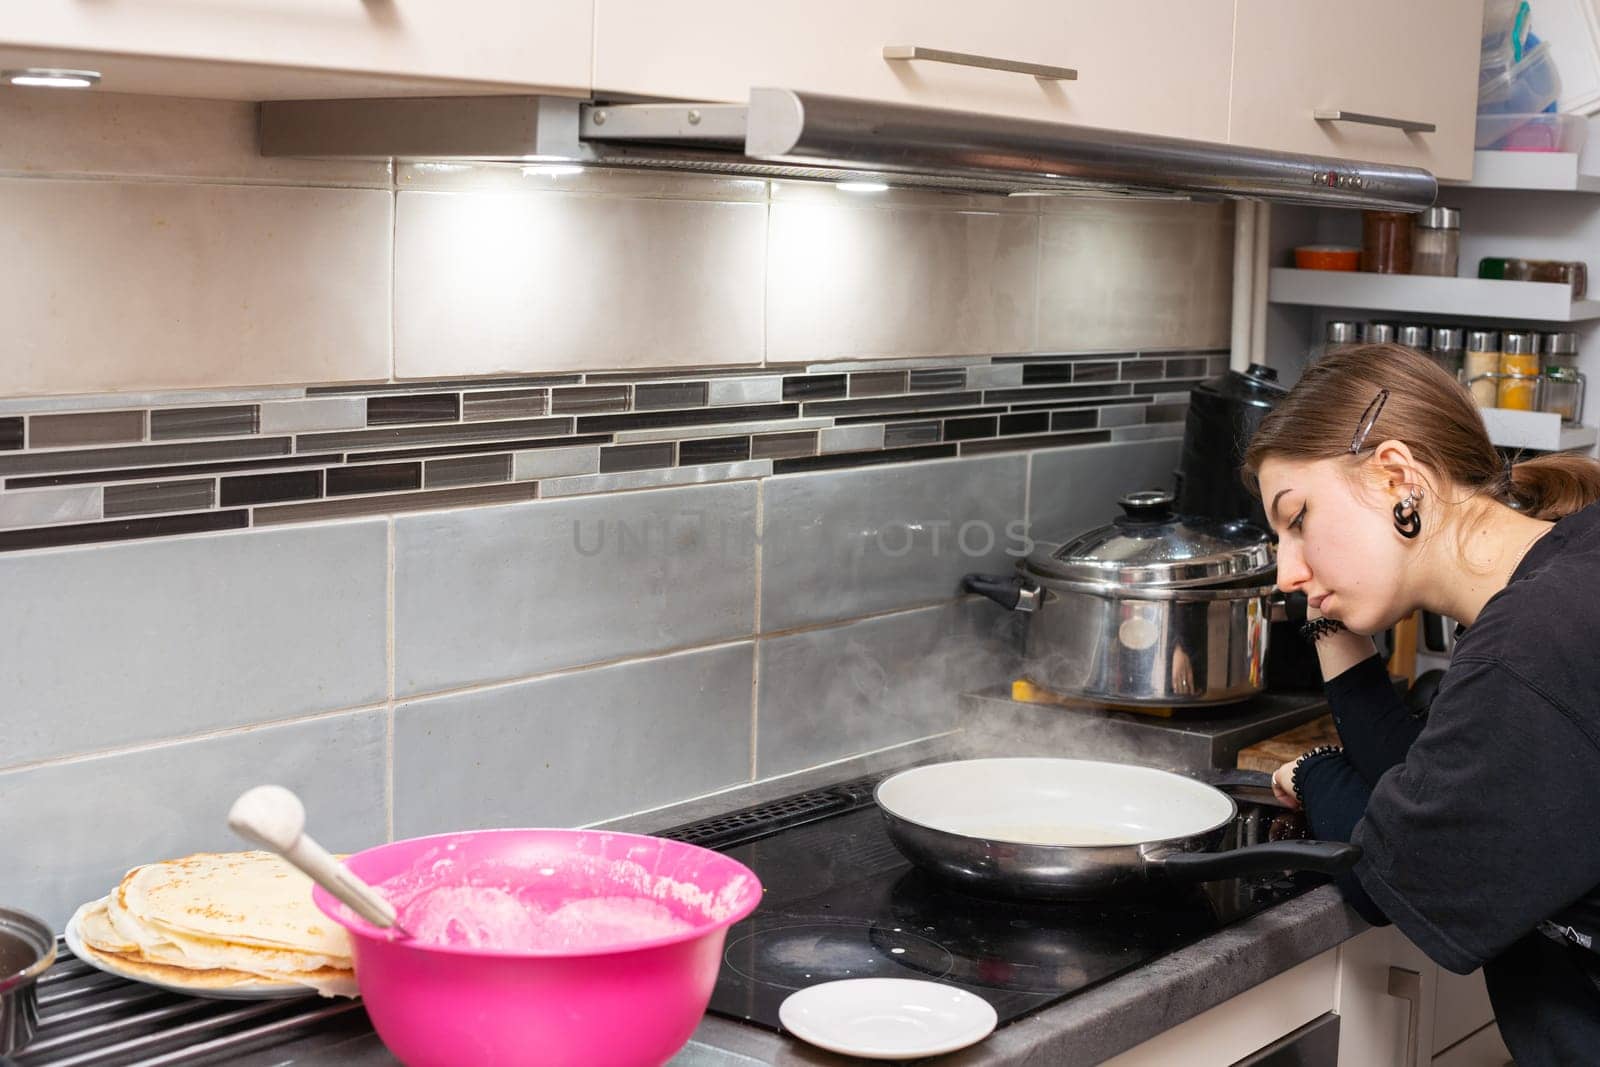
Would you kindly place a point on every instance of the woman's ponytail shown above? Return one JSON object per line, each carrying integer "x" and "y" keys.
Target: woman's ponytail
{"x": 1552, "y": 486}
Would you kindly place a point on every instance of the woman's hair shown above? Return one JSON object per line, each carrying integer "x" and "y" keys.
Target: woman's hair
{"x": 1428, "y": 410}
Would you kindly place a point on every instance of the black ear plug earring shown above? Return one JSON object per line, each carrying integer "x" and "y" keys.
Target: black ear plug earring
{"x": 1407, "y": 519}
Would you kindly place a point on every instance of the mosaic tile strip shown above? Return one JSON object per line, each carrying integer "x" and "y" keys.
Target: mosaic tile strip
{"x": 89, "y": 469}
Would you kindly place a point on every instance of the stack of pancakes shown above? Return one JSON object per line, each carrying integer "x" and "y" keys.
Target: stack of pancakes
{"x": 219, "y": 920}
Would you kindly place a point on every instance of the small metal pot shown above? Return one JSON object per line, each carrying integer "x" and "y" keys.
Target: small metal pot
{"x": 27, "y": 949}
{"x": 1153, "y": 609}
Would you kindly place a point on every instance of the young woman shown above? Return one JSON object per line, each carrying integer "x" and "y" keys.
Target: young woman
{"x": 1478, "y": 823}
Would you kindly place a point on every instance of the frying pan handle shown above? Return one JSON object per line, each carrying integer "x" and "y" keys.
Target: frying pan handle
{"x": 1324, "y": 857}
{"x": 1252, "y": 786}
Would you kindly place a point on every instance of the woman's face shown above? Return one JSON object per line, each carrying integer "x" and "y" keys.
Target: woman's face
{"x": 1336, "y": 541}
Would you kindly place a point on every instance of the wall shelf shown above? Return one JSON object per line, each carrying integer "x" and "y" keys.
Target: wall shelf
{"x": 1529, "y": 170}
{"x": 1422, "y": 295}
{"x": 1540, "y": 430}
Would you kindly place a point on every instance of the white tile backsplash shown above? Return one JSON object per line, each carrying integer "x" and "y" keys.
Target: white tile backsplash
{"x": 1137, "y": 274}
{"x": 489, "y": 282}
{"x": 848, "y": 280}
{"x": 117, "y": 285}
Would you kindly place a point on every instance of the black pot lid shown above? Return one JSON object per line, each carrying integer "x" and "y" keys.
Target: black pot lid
{"x": 1150, "y": 545}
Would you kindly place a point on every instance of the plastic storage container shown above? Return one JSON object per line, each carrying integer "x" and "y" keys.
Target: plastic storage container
{"x": 1531, "y": 133}
{"x": 1525, "y": 88}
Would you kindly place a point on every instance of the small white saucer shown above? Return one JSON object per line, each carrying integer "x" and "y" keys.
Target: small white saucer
{"x": 887, "y": 1018}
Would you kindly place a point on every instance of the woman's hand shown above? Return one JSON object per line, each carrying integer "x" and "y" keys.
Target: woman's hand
{"x": 1283, "y": 785}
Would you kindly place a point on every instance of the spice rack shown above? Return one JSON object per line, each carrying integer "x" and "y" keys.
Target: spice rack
{"x": 1419, "y": 295}
{"x": 1542, "y": 430}
{"x": 1530, "y": 205}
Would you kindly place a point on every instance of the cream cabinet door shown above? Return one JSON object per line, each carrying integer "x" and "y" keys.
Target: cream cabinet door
{"x": 1416, "y": 61}
{"x": 1153, "y": 66}
{"x": 544, "y": 45}
{"x": 1461, "y": 1007}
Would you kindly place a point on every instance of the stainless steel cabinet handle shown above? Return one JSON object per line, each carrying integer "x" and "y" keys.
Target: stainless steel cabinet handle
{"x": 1408, "y": 125}
{"x": 963, "y": 59}
{"x": 1407, "y": 985}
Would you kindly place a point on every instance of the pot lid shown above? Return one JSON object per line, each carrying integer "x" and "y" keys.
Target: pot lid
{"x": 1151, "y": 545}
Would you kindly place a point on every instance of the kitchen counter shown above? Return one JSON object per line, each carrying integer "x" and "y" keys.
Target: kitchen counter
{"x": 1084, "y": 1029}
{"x": 1111, "y": 1018}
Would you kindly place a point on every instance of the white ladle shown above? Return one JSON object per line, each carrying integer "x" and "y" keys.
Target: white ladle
{"x": 274, "y": 818}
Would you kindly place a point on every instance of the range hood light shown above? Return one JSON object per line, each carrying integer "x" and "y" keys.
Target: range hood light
{"x": 51, "y": 78}
{"x": 551, "y": 170}
{"x": 862, "y": 187}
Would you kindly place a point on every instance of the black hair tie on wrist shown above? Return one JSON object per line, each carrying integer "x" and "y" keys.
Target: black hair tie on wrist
{"x": 1317, "y": 629}
{"x": 1294, "y": 776}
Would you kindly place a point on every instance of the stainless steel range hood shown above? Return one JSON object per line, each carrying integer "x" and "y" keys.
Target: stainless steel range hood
{"x": 783, "y": 133}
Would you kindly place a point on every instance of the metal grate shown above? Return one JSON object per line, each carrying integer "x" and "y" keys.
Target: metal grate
{"x": 751, "y": 824}
{"x": 89, "y": 1018}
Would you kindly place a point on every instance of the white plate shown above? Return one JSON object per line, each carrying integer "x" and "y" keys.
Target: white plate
{"x": 248, "y": 991}
{"x": 887, "y": 1018}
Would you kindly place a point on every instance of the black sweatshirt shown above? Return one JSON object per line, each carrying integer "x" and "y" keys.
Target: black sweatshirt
{"x": 1478, "y": 825}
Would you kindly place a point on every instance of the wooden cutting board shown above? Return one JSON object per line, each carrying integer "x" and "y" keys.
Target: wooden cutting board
{"x": 1274, "y": 752}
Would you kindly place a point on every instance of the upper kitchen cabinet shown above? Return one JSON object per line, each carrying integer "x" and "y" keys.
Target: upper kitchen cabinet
{"x": 289, "y": 49}
{"x": 1375, "y": 61}
{"x": 1145, "y": 65}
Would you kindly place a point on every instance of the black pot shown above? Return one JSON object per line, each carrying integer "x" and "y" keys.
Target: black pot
{"x": 1223, "y": 415}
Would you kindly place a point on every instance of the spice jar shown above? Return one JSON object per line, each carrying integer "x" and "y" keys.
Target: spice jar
{"x": 1561, "y": 392}
{"x": 1416, "y": 337}
{"x": 1573, "y": 274}
{"x": 1436, "y": 242}
{"x": 1339, "y": 336}
{"x": 1377, "y": 333}
{"x": 1519, "y": 371}
{"x": 1559, "y": 349}
{"x": 1481, "y": 364}
{"x": 1386, "y": 242}
{"x": 1449, "y": 349}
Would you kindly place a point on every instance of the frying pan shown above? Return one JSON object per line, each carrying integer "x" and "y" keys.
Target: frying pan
{"x": 1064, "y": 829}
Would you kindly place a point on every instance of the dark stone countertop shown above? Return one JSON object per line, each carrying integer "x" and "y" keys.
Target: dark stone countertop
{"x": 1111, "y": 1018}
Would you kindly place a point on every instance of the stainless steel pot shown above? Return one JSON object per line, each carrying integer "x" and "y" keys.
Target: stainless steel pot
{"x": 1061, "y": 829}
{"x": 1152, "y": 609}
{"x": 27, "y": 949}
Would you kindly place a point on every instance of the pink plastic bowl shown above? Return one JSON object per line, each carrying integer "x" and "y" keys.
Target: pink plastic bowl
{"x": 627, "y": 1005}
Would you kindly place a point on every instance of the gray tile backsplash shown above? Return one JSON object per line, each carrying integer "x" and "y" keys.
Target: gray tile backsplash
{"x": 831, "y": 693}
{"x": 575, "y": 748}
{"x": 816, "y": 390}
{"x": 842, "y": 544}
{"x": 1074, "y": 489}
{"x": 108, "y": 646}
{"x": 500, "y": 593}
{"x": 72, "y": 829}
